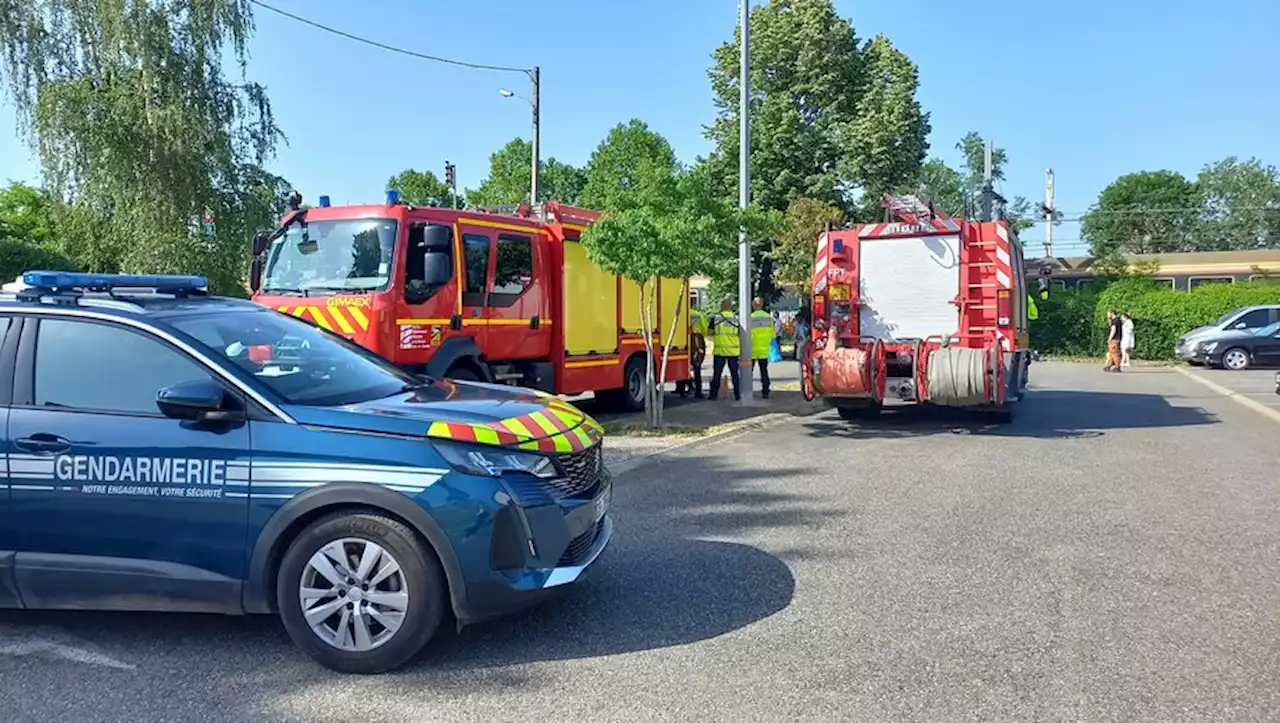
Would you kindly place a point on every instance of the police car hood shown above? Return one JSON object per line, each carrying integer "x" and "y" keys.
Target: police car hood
{"x": 466, "y": 411}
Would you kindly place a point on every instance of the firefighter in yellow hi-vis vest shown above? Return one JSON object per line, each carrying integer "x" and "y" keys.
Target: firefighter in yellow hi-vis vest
{"x": 724, "y": 339}
{"x": 697, "y": 349}
{"x": 762, "y": 335}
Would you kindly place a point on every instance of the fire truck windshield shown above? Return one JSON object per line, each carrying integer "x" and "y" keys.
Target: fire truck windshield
{"x": 328, "y": 257}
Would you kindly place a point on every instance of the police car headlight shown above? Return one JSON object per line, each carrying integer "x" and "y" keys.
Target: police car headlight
{"x": 494, "y": 461}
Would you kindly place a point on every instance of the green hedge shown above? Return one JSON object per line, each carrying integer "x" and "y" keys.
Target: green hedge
{"x": 1074, "y": 322}
{"x": 17, "y": 257}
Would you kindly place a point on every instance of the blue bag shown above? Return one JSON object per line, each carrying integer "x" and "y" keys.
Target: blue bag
{"x": 775, "y": 351}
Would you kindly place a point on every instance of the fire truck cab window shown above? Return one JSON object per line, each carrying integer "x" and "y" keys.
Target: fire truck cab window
{"x": 513, "y": 272}
{"x": 475, "y": 250}
{"x": 320, "y": 257}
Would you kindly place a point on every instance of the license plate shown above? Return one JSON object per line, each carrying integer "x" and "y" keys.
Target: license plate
{"x": 601, "y": 503}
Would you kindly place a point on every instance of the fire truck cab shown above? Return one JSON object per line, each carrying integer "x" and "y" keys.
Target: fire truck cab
{"x": 505, "y": 295}
{"x": 929, "y": 310}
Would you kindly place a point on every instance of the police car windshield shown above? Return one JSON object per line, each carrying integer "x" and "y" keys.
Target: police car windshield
{"x": 300, "y": 363}
{"x": 327, "y": 257}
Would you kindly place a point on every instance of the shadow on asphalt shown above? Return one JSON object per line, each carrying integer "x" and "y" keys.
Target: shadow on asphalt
{"x": 1045, "y": 414}
{"x": 658, "y": 585}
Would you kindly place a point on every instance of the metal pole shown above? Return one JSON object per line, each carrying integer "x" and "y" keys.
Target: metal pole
{"x": 1048, "y": 213}
{"x": 533, "y": 186}
{"x": 744, "y": 199}
{"x": 988, "y": 188}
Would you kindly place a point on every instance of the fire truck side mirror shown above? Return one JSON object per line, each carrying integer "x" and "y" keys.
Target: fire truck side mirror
{"x": 436, "y": 237}
{"x": 260, "y": 241}
{"x": 436, "y": 269}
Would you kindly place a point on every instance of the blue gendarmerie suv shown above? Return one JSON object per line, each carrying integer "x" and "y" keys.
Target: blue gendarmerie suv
{"x": 167, "y": 450}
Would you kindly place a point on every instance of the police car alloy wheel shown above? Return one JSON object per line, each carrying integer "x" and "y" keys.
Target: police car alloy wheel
{"x": 360, "y": 592}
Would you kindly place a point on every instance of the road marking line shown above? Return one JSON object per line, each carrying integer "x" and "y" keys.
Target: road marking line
{"x": 1236, "y": 397}
{"x": 79, "y": 655}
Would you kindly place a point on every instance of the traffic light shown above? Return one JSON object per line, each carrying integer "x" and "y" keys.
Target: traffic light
{"x": 1043, "y": 285}
{"x": 450, "y": 176}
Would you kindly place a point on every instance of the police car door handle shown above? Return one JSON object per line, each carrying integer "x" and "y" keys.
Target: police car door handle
{"x": 47, "y": 443}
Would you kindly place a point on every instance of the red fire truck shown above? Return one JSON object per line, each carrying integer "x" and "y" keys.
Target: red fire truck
{"x": 929, "y": 310}
{"x": 504, "y": 296}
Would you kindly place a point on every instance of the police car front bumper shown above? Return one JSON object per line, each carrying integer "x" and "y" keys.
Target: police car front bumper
{"x": 538, "y": 548}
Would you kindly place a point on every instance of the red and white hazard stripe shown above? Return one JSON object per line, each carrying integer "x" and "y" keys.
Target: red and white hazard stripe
{"x": 1004, "y": 263}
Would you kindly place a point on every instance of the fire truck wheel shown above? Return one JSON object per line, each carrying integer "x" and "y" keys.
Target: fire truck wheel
{"x": 859, "y": 412}
{"x": 463, "y": 374}
{"x": 631, "y": 397}
{"x": 1003, "y": 415}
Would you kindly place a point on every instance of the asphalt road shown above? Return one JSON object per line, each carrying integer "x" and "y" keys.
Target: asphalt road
{"x": 1113, "y": 555}
{"x": 1256, "y": 384}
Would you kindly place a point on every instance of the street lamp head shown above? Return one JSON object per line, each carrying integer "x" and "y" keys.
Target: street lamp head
{"x": 505, "y": 93}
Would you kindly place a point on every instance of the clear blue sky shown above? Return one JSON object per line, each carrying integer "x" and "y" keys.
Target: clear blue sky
{"x": 1092, "y": 88}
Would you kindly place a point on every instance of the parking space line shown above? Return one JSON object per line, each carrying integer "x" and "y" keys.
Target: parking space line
{"x": 1237, "y": 397}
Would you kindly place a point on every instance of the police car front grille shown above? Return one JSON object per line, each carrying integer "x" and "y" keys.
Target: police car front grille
{"x": 582, "y": 472}
{"x": 580, "y": 546}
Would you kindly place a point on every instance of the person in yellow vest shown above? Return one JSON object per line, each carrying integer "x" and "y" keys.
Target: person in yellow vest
{"x": 763, "y": 333}
{"x": 724, "y": 340}
{"x": 1033, "y": 311}
{"x": 697, "y": 349}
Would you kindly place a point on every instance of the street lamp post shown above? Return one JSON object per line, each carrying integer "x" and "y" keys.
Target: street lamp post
{"x": 744, "y": 199}
{"x": 535, "y": 75}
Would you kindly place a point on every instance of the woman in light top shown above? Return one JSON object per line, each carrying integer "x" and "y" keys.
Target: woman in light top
{"x": 1126, "y": 339}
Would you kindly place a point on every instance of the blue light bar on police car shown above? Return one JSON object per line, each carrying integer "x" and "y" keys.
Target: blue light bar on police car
{"x": 106, "y": 282}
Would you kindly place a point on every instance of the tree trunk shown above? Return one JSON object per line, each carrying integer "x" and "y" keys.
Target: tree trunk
{"x": 646, "y": 328}
{"x": 666, "y": 348}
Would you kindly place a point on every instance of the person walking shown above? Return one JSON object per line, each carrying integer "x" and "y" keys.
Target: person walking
{"x": 1126, "y": 339}
{"x": 802, "y": 333}
{"x": 763, "y": 332}
{"x": 726, "y": 347}
{"x": 1115, "y": 330}
{"x": 697, "y": 349}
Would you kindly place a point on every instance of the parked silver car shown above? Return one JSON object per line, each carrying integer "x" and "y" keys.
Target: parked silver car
{"x": 1244, "y": 319}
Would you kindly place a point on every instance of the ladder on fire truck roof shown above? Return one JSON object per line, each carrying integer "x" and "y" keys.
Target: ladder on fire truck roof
{"x": 550, "y": 212}
{"x": 913, "y": 209}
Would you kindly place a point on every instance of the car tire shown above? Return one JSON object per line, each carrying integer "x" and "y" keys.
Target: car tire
{"x": 1235, "y": 359}
{"x": 379, "y": 636}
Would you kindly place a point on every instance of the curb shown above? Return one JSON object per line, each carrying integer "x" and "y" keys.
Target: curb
{"x": 728, "y": 430}
{"x": 1237, "y": 397}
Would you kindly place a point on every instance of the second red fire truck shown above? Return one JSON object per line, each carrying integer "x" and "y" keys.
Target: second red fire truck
{"x": 929, "y": 310}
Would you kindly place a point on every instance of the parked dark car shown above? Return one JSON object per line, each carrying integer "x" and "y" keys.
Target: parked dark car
{"x": 1235, "y": 352}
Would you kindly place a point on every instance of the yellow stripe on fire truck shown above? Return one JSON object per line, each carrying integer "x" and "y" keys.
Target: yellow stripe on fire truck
{"x": 344, "y": 319}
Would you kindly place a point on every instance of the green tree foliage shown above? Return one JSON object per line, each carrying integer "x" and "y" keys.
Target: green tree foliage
{"x": 1142, "y": 213}
{"x": 885, "y": 142}
{"x": 1240, "y": 206}
{"x": 138, "y": 128}
{"x": 945, "y": 185}
{"x": 805, "y": 83}
{"x": 26, "y": 214}
{"x": 422, "y": 188}
{"x": 659, "y": 220}
{"x": 798, "y": 243}
{"x": 17, "y": 257}
{"x": 622, "y": 162}
{"x": 509, "y": 178}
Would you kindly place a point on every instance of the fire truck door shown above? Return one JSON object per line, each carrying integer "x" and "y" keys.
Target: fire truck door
{"x": 474, "y": 275}
{"x": 517, "y": 327}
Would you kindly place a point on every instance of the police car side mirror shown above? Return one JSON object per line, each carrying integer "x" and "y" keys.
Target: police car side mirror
{"x": 195, "y": 400}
